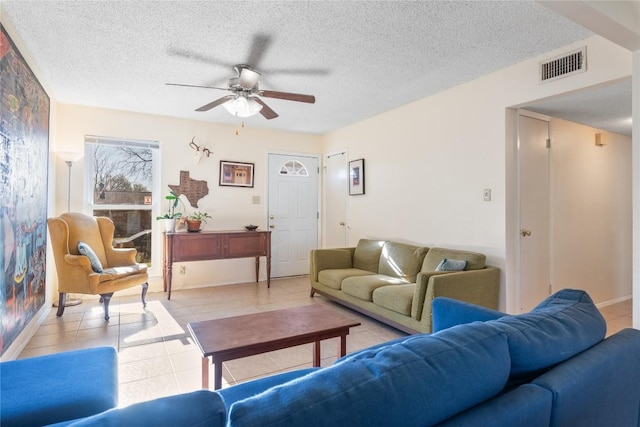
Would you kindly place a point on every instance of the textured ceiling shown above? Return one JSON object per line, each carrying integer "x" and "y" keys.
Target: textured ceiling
{"x": 358, "y": 58}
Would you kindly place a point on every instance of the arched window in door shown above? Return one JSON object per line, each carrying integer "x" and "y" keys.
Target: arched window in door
{"x": 293, "y": 168}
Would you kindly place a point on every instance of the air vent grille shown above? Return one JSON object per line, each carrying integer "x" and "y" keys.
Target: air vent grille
{"x": 564, "y": 66}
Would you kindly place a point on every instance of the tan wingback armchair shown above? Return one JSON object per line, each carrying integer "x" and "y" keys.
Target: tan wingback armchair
{"x": 75, "y": 273}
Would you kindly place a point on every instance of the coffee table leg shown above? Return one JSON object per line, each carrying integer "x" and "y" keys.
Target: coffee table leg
{"x": 316, "y": 354}
{"x": 343, "y": 346}
{"x": 205, "y": 373}
{"x": 217, "y": 375}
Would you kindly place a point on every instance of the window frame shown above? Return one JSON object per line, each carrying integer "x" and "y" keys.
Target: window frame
{"x": 90, "y": 141}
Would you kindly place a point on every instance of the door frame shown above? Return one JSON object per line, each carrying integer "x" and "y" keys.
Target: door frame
{"x": 266, "y": 182}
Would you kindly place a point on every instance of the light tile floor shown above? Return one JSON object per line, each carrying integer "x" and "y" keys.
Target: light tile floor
{"x": 157, "y": 356}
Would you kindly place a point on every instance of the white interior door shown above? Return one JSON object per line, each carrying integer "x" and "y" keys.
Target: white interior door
{"x": 293, "y": 212}
{"x": 334, "y": 207}
{"x": 535, "y": 212}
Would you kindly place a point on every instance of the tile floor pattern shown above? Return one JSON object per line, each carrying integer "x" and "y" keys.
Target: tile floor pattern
{"x": 157, "y": 356}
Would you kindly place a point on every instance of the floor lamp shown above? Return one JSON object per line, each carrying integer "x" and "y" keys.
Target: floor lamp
{"x": 69, "y": 158}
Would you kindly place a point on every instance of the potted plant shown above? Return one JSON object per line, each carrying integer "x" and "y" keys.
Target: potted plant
{"x": 171, "y": 216}
{"x": 196, "y": 219}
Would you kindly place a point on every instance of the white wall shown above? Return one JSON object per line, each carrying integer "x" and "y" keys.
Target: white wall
{"x": 428, "y": 162}
{"x": 591, "y": 212}
{"x": 231, "y": 207}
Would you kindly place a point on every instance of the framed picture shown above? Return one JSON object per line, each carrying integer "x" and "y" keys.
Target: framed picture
{"x": 356, "y": 177}
{"x": 236, "y": 174}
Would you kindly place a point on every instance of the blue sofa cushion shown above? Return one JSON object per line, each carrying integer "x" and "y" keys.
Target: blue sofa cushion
{"x": 526, "y": 406}
{"x": 196, "y": 409}
{"x": 247, "y": 389}
{"x": 422, "y": 380}
{"x": 599, "y": 387}
{"x": 561, "y": 326}
{"x": 58, "y": 387}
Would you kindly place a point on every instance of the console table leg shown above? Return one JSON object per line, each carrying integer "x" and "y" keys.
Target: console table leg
{"x": 205, "y": 373}
{"x": 257, "y": 268}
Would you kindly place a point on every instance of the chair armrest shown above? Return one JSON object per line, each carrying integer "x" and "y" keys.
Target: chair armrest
{"x": 324, "y": 259}
{"x": 120, "y": 257}
{"x": 80, "y": 261}
{"x": 447, "y": 312}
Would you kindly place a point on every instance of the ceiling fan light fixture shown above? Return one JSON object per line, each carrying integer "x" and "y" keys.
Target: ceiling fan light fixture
{"x": 243, "y": 106}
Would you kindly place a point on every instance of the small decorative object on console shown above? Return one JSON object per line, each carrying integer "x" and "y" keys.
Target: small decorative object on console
{"x": 251, "y": 227}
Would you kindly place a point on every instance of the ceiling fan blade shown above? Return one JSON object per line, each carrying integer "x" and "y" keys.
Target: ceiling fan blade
{"x": 259, "y": 46}
{"x": 266, "y": 111}
{"x": 215, "y": 103}
{"x": 204, "y": 87}
{"x": 310, "y": 99}
{"x": 248, "y": 77}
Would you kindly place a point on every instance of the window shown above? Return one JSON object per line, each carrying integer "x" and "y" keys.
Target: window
{"x": 122, "y": 182}
{"x": 294, "y": 168}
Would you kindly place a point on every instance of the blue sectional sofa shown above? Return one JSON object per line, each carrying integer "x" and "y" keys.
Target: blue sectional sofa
{"x": 549, "y": 367}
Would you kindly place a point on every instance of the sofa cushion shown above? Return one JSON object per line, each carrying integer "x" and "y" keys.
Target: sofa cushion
{"x": 367, "y": 255}
{"x": 401, "y": 260}
{"x": 396, "y": 298}
{"x": 58, "y": 387}
{"x": 362, "y": 287}
{"x": 475, "y": 261}
{"x": 199, "y": 408}
{"x": 421, "y": 381}
{"x": 333, "y": 278}
{"x": 563, "y": 325}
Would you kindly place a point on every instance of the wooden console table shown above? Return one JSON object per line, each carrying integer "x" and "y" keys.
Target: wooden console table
{"x": 211, "y": 245}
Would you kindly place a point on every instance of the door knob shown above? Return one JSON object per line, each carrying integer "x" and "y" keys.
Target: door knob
{"x": 341, "y": 223}
{"x": 272, "y": 226}
{"x": 525, "y": 232}
{"x": 271, "y": 216}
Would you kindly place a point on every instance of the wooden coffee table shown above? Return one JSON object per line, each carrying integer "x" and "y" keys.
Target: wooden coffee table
{"x": 241, "y": 336}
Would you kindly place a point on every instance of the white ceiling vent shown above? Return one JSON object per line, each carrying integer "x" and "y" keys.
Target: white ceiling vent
{"x": 563, "y": 66}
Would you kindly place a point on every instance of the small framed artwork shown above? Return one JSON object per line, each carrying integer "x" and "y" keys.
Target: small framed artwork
{"x": 356, "y": 177}
{"x": 236, "y": 174}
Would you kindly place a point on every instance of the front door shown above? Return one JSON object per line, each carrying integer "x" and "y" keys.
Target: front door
{"x": 293, "y": 212}
{"x": 535, "y": 212}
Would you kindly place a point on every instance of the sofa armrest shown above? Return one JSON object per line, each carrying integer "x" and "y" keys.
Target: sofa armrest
{"x": 324, "y": 259}
{"x": 198, "y": 408}
{"x": 422, "y": 282}
{"x": 448, "y": 312}
{"x": 479, "y": 287}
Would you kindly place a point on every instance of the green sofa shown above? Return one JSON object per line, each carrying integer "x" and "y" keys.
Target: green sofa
{"x": 396, "y": 282}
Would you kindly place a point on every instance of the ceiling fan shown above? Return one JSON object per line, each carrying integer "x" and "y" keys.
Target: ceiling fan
{"x": 244, "y": 100}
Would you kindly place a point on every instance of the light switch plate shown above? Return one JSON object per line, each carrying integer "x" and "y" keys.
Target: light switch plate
{"x": 486, "y": 194}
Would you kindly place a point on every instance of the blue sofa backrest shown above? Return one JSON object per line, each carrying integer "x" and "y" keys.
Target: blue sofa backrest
{"x": 422, "y": 380}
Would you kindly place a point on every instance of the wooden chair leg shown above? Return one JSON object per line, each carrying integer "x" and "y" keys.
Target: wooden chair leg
{"x": 145, "y": 286}
{"x": 62, "y": 300}
{"x": 106, "y": 299}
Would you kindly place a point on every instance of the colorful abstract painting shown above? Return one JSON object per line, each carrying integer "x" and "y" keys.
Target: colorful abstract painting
{"x": 24, "y": 151}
